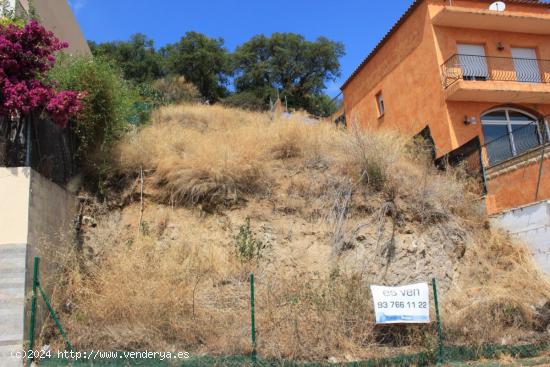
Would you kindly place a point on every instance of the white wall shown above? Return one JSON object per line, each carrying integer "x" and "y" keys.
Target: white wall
{"x": 14, "y": 204}
{"x": 531, "y": 224}
{"x": 33, "y": 212}
{"x": 9, "y": 3}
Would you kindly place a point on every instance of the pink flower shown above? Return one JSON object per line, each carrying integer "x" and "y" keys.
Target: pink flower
{"x": 26, "y": 55}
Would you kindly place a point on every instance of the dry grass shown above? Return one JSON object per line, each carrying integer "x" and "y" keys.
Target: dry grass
{"x": 499, "y": 294}
{"x": 214, "y": 156}
{"x": 339, "y": 210}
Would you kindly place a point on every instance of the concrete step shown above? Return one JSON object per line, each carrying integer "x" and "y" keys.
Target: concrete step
{"x": 13, "y": 251}
{"x": 12, "y": 325}
{"x": 9, "y": 354}
{"x": 12, "y": 254}
{"x": 12, "y": 303}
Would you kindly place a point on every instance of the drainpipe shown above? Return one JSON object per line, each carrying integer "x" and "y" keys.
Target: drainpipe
{"x": 542, "y": 151}
{"x": 28, "y": 142}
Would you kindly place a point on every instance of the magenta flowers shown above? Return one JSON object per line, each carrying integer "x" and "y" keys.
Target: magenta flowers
{"x": 26, "y": 55}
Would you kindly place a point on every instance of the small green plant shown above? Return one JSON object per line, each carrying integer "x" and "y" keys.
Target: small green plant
{"x": 247, "y": 246}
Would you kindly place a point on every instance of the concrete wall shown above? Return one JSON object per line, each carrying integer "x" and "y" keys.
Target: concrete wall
{"x": 52, "y": 211}
{"x": 57, "y": 16}
{"x": 532, "y": 225}
{"x": 14, "y": 204}
{"x": 14, "y": 224}
{"x": 34, "y": 216}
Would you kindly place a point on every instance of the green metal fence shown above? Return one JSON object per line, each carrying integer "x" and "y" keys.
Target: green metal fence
{"x": 452, "y": 355}
{"x": 441, "y": 354}
{"x": 38, "y": 290}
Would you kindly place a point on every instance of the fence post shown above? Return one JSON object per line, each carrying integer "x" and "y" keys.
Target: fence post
{"x": 252, "y": 317}
{"x": 440, "y": 356}
{"x": 33, "y": 306}
{"x": 55, "y": 318}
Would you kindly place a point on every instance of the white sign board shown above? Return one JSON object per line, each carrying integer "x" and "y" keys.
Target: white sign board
{"x": 409, "y": 304}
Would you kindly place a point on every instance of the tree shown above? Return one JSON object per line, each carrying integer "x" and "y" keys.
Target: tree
{"x": 288, "y": 66}
{"x": 247, "y": 100}
{"x": 107, "y": 108}
{"x": 137, "y": 58}
{"x": 322, "y": 105}
{"x": 27, "y": 54}
{"x": 203, "y": 61}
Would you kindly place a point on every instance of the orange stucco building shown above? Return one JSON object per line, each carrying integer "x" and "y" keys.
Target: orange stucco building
{"x": 475, "y": 73}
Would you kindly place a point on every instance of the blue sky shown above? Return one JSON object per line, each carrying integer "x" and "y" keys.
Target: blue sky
{"x": 359, "y": 24}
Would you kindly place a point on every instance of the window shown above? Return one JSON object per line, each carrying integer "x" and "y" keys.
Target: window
{"x": 508, "y": 132}
{"x": 380, "y": 103}
{"x": 526, "y": 65}
{"x": 473, "y": 62}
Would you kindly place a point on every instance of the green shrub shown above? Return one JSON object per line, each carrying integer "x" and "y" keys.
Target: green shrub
{"x": 6, "y": 20}
{"x": 247, "y": 246}
{"x": 176, "y": 89}
{"x": 149, "y": 100}
{"x": 108, "y": 107}
{"x": 247, "y": 101}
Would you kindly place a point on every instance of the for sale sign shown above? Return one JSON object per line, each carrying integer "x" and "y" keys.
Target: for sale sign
{"x": 409, "y": 304}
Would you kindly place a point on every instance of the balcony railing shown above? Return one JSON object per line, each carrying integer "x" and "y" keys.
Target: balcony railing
{"x": 478, "y": 159}
{"x": 519, "y": 141}
{"x": 484, "y": 68}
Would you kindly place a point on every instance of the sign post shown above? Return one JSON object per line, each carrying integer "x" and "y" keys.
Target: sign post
{"x": 409, "y": 304}
{"x": 252, "y": 318}
{"x": 438, "y": 318}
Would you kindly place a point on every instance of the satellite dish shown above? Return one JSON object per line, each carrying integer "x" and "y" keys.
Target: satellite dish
{"x": 497, "y": 6}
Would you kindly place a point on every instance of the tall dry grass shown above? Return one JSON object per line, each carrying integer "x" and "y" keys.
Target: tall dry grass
{"x": 366, "y": 196}
{"x": 214, "y": 156}
{"x": 217, "y": 156}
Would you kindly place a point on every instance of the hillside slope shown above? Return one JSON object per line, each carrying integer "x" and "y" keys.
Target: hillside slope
{"x": 330, "y": 211}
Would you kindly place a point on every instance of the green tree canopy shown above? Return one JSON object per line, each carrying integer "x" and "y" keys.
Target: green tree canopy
{"x": 203, "y": 61}
{"x": 289, "y": 66}
{"x": 137, "y": 57}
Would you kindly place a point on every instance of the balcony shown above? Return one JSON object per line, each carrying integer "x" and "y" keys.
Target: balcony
{"x": 507, "y": 21}
{"x": 496, "y": 79}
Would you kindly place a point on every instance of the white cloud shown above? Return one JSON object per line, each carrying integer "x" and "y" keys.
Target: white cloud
{"x": 77, "y": 5}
